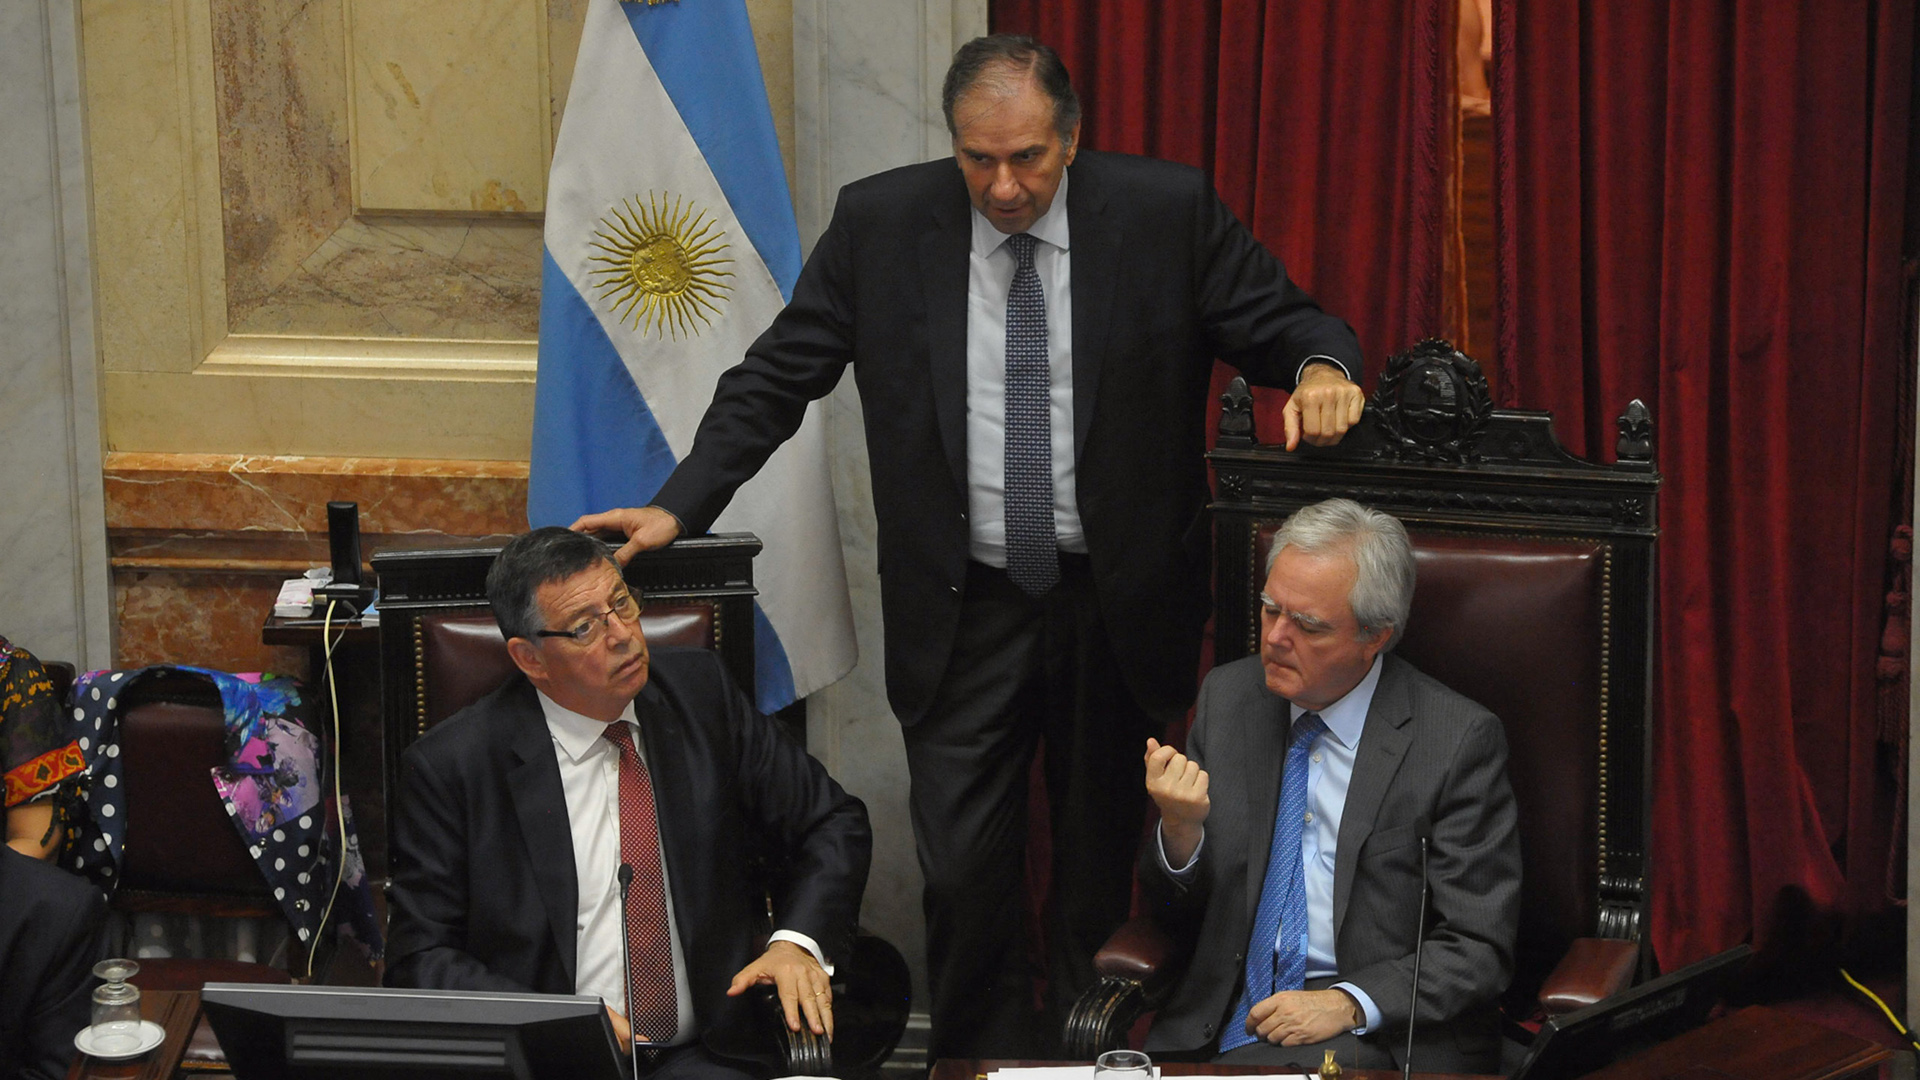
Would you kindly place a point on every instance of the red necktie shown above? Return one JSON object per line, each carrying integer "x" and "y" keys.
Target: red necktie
{"x": 652, "y": 1009}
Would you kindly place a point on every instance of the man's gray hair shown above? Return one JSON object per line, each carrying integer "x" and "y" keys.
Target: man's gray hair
{"x": 1382, "y": 557}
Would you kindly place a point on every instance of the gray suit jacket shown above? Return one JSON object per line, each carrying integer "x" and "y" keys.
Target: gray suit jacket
{"x": 1426, "y": 753}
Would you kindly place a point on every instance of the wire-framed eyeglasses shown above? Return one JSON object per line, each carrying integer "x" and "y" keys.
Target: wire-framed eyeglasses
{"x": 590, "y": 629}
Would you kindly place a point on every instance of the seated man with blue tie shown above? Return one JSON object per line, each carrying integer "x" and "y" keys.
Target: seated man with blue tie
{"x": 605, "y": 765}
{"x": 1291, "y": 834}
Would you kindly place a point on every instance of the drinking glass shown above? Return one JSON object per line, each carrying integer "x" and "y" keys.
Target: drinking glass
{"x": 1123, "y": 1065}
{"x": 116, "y": 1008}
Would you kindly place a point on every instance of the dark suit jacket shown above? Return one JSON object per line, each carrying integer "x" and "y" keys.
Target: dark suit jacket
{"x": 485, "y": 892}
{"x": 51, "y": 925}
{"x": 1164, "y": 280}
{"x": 1426, "y": 752}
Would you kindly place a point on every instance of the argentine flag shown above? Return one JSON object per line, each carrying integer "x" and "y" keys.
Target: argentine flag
{"x": 670, "y": 246}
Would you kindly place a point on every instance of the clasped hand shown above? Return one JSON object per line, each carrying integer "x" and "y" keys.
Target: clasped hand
{"x": 1298, "y": 1017}
{"x": 1323, "y": 406}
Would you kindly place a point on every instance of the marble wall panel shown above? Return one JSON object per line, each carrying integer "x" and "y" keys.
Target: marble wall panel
{"x": 279, "y": 88}
{"x": 410, "y": 277}
{"x": 289, "y": 495}
{"x": 200, "y": 618}
{"x": 449, "y": 106}
{"x": 54, "y": 595}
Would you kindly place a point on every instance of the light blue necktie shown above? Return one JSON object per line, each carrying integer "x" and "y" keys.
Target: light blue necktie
{"x": 1277, "y": 962}
{"x": 1033, "y": 556}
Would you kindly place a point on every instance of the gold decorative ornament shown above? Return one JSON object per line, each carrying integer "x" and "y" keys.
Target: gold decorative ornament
{"x": 660, "y": 267}
{"x": 1329, "y": 1068}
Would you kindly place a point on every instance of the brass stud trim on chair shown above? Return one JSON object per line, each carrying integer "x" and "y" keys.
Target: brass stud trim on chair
{"x": 419, "y": 679}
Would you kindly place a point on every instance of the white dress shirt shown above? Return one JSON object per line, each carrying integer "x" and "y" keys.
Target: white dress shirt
{"x": 590, "y": 780}
{"x": 1329, "y": 775}
{"x": 990, "y": 267}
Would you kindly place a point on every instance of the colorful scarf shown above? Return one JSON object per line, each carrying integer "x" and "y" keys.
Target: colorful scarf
{"x": 275, "y": 788}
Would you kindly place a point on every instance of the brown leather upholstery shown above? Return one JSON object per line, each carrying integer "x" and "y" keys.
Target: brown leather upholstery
{"x": 463, "y": 657}
{"x": 179, "y": 838}
{"x": 1593, "y": 970}
{"x": 1515, "y": 623}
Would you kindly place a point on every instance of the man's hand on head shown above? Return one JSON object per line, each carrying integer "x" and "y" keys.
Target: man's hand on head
{"x": 1179, "y": 788}
{"x": 645, "y": 527}
{"x": 803, "y": 985}
{"x": 1298, "y": 1017}
{"x": 1322, "y": 407}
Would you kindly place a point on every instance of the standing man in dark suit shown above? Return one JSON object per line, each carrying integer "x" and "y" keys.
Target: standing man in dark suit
{"x": 1033, "y": 345}
{"x": 1290, "y": 841}
{"x": 520, "y": 812}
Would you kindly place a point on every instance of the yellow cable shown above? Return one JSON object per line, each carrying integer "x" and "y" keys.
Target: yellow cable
{"x": 1875, "y": 998}
{"x": 339, "y": 807}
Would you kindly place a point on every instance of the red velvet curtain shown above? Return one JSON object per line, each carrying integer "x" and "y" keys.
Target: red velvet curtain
{"x": 1327, "y": 126}
{"x": 1701, "y": 205}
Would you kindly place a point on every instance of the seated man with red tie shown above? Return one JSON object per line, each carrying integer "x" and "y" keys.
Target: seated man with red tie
{"x": 521, "y": 815}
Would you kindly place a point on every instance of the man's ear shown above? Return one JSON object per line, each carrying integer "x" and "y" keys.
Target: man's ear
{"x": 527, "y": 658}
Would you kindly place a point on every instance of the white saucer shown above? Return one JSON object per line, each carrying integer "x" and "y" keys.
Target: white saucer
{"x": 151, "y": 1035}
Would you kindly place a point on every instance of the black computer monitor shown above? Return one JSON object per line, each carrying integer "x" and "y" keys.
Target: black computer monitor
{"x": 1585, "y": 1040}
{"x": 303, "y": 1032}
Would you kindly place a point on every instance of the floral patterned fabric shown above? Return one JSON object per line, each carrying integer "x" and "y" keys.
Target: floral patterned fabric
{"x": 275, "y": 788}
{"x": 37, "y": 752}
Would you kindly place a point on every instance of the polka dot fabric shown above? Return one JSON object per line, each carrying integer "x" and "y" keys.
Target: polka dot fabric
{"x": 273, "y": 788}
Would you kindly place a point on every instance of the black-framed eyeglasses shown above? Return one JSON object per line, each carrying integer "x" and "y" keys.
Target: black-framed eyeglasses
{"x": 589, "y": 630}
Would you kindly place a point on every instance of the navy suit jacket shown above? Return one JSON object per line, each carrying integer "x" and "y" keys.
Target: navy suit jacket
{"x": 52, "y": 927}
{"x": 485, "y": 893}
{"x": 1165, "y": 279}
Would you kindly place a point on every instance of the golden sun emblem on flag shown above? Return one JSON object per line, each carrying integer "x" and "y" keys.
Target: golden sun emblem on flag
{"x": 661, "y": 265}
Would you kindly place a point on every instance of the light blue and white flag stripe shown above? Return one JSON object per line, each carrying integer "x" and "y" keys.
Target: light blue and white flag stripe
{"x": 667, "y": 118}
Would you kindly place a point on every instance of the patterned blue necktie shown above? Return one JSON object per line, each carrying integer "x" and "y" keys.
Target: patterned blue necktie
{"x": 1277, "y": 962}
{"x": 1033, "y": 557}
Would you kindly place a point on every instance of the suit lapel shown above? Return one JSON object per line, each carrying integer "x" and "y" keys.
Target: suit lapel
{"x": 1383, "y": 745}
{"x": 1096, "y": 240}
{"x": 1268, "y": 725}
{"x": 541, "y": 806}
{"x": 944, "y": 250}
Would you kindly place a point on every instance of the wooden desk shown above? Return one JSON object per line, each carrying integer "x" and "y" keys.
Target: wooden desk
{"x": 1756, "y": 1043}
{"x": 977, "y": 1068}
{"x": 175, "y": 1010}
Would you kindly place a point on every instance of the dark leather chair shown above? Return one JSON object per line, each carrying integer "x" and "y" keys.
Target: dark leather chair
{"x": 182, "y": 854}
{"x": 442, "y": 650}
{"x": 1534, "y": 598}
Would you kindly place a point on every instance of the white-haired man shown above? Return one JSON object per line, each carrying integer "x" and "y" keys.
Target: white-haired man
{"x": 1290, "y": 836}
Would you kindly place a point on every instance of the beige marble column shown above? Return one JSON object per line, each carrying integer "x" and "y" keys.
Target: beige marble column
{"x": 866, "y": 93}
{"x": 54, "y": 593}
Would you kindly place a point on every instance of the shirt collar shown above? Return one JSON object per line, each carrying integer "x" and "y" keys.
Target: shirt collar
{"x": 1052, "y": 226}
{"x": 1346, "y": 718}
{"x": 577, "y": 734}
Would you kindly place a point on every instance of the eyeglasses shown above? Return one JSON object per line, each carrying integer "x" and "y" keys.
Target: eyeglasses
{"x": 591, "y": 628}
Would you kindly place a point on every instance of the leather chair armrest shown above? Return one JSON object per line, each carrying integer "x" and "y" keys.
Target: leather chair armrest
{"x": 1593, "y": 969}
{"x": 1140, "y": 950}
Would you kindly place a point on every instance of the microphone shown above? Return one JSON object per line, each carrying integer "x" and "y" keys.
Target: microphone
{"x": 1424, "y": 828}
{"x": 626, "y": 964}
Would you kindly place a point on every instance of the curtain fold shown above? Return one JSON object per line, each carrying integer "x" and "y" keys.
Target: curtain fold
{"x": 1328, "y": 127}
{"x": 1701, "y": 205}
